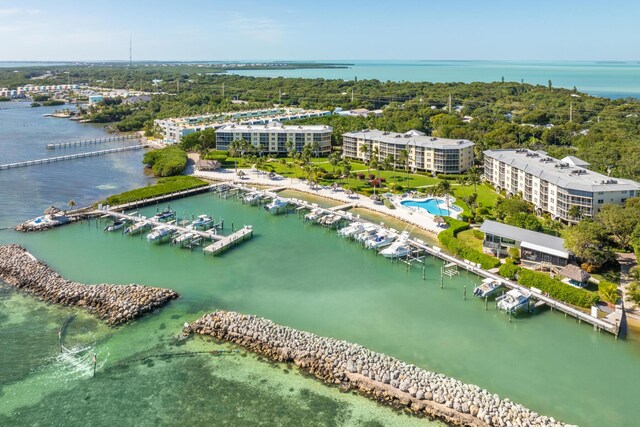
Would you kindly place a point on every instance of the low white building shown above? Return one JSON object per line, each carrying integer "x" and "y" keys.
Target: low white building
{"x": 425, "y": 153}
{"x": 274, "y": 137}
{"x": 555, "y": 186}
{"x": 174, "y": 129}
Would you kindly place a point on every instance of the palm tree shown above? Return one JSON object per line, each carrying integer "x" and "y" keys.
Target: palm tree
{"x": 403, "y": 158}
{"x": 364, "y": 150}
{"x": 234, "y": 148}
{"x": 315, "y": 146}
{"x": 444, "y": 189}
{"x": 633, "y": 293}
{"x": 346, "y": 167}
{"x": 71, "y": 204}
{"x": 375, "y": 155}
{"x": 388, "y": 163}
{"x": 291, "y": 149}
{"x": 473, "y": 177}
{"x": 334, "y": 159}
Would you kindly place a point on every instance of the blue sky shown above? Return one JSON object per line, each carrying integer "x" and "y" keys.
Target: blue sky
{"x": 329, "y": 29}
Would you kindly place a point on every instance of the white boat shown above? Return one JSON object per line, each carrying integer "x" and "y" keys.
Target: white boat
{"x": 252, "y": 198}
{"x": 158, "y": 233}
{"x": 137, "y": 227}
{"x": 314, "y": 214}
{"x": 164, "y": 215}
{"x": 276, "y": 205}
{"x": 368, "y": 230}
{"x": 399, "y": 248}
{"x": 513, "y": 301}
{"x": 115, "y": 225}
{"x": 381, "y": 239}
{"x": 351, "y": 229}
{"x": 487, "y": 288}
{"x": 183, "y": 238}
{"x": 332, "y": 220}
{"x": 203, "y": 221}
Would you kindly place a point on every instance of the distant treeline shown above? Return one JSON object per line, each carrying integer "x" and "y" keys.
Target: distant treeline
{"x": 603, "y": 132}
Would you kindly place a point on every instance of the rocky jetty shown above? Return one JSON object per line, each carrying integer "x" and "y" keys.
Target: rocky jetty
{"x": 115, "y": 304}
{"x": 380, "y": 377}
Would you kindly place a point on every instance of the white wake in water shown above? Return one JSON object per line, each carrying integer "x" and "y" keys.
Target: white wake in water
{"x": 78, "y": 362}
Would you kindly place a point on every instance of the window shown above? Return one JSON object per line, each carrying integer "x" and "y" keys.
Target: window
{"x": 600, "y": 201}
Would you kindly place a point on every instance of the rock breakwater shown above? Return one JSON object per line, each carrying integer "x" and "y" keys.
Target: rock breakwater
{"x": 380, "y": 377}
{"x": 115, "y": 304}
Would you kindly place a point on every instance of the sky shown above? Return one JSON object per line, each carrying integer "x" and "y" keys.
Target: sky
{"x": 187, "y": 30}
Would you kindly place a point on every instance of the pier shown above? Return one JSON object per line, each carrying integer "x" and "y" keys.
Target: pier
{"x": 226, "y": 242}
{"x": 85, "y": 142}
{"x": 220, "y": 242}
{"x": 164, "y": 198}
{"x": 71, "y": 157}
{"x": 580, "y": 316}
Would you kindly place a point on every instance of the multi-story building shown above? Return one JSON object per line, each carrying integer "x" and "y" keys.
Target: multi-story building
{"x": 274, "y": 136}
{"x": 424, "y": 153}
{"x": 174, "y": 129}
{"x": 555, "y": 186}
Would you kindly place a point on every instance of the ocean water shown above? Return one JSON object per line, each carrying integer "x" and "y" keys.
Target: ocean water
{"x": 303, "y": 276}
{"x": 606, "y": 79}
{"x": 26, "y": 192}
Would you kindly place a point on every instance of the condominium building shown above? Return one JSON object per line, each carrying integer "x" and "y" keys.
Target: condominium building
{"x": 425, "y": 153}
{"x": 555, "y": 186}
{"x": 174, "y": 129}
{"x": 273, "y": 137}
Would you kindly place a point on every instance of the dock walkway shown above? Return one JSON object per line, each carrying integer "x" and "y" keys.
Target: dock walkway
{"x": 174, "y": 227}
{"x": 70, "y": 157}
{"x": 164, "y": 197}
{"x": 230, "y": 240}
{"x": 344, "y": 207}
{"x": 551, "y": 302}
{"x": 84, "y": 142}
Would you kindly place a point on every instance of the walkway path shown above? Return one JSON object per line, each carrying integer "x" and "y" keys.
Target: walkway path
{"x": 254, "y": 178}
{"x": 627, "y": 262}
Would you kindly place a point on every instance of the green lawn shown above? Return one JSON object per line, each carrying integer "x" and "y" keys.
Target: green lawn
{"x": 162, "y": 186}
{"x": 407, "y": 181}
{"x": 486, "y": 195}
{"x": 470, "y": 240}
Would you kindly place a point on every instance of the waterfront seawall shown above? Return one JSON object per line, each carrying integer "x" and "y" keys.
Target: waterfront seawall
{"x": 376, "y": 375}
{"x": 114, "y": 304}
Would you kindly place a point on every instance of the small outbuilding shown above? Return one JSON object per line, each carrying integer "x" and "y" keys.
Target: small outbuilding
{"x": 574, "y": 275}
{"x": 207, "y": 165}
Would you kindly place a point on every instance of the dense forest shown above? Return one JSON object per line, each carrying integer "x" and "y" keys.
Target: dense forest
{"x": 501, "y": 114}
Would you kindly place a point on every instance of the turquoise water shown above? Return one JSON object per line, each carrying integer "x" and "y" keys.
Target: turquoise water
{"x": 429, "y": 205}
{"x": 26, "y": 192}
{"x": 607, "y": 79}
{"x": 306, "y": 277}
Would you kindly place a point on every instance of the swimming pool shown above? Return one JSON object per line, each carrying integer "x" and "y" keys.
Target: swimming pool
{"x": 432, "y": 205}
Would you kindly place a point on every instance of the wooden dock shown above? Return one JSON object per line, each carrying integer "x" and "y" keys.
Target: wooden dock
{"x": 226, "y": 242}
{"x": 210, "y": 234}
{"x": 85, "y": 142}
{"x": 344, "y": 207}
{"x": 580, "y": 316}
{"x": 70, "y": 157}
{"x": 164, "y": 197}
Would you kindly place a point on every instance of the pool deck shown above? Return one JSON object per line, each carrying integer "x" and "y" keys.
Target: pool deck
{"x": 422, "y": 221}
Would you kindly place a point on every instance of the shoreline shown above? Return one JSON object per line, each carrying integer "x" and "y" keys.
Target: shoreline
{"x": 379, "y": 377}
